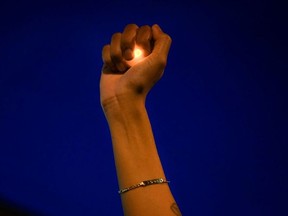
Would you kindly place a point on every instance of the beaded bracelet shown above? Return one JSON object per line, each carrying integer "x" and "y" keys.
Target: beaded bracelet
{"x": 144, "y": 184}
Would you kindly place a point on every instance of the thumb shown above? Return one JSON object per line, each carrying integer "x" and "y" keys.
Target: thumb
{"x": 162, "y": 43}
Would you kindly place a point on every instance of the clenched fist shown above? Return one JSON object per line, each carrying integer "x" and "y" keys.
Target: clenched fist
{"x": 129, "y": 75}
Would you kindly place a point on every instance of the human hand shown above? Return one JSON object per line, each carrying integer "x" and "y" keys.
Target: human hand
{"x": 121, "y": 81}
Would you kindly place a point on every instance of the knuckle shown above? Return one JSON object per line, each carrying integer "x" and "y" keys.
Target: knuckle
{"x": 145, "y": 27}
{"x": 105, "y": 47}
{"x": 116, "y": 35}
{"x": 144, "y": 31}
{"x": 167, "y": 37}
{"x": 131, "y": 26}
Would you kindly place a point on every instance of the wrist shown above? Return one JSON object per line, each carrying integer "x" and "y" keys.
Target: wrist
{"x": 123, "y": 106}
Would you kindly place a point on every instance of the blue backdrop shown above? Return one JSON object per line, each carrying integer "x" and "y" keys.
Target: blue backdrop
{"x": 219, "y": 114}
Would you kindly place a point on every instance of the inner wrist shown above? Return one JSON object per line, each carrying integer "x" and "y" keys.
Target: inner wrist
{"x": 123, "y": 105}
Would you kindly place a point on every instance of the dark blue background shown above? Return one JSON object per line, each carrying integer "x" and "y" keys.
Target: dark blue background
{"x": 219, "y": 114}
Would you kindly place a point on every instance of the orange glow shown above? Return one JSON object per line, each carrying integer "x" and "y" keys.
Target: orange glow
{"x": 137, "y": 53}
{"x": 138, "y": 56}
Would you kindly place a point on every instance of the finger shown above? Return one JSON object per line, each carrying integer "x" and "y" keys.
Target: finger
{"x": 106, "y": 55}
{"x": 116, "y": 52}
{"x": 128, "y": 41}
{"x": 143, "y": 39}
{"x": 162, "y": 43}
{"x": 107, "y": 59}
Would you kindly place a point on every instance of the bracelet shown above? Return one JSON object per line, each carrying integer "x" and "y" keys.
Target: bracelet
{"x": 144, "y": 184}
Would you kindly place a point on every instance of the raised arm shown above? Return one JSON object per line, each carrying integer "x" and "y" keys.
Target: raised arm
{"x": 123, "y": 87}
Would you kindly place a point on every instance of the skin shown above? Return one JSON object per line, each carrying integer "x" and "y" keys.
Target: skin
{"x": 123, "y": 91}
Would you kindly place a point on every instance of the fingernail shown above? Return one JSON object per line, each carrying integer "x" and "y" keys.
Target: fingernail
{"x": 128, "y": 54}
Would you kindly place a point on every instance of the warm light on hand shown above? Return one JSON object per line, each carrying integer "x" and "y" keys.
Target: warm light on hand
{"x": 137, "y": 53}
{"x": 138, "y": 56}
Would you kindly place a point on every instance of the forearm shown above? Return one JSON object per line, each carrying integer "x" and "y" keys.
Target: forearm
{"x": 137, "y": 159}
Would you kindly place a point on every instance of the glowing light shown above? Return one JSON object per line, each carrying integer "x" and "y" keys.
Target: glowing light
{"x": 138, "y": 56}
{"x": 137, "y": 53}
